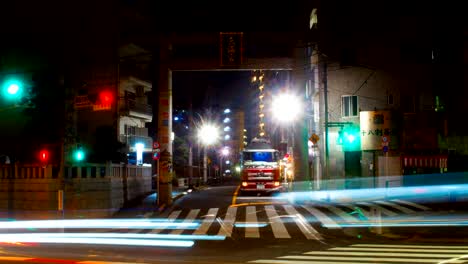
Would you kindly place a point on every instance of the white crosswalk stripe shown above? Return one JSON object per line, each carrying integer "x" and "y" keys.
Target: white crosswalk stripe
{"x": 321, "y": 216}
{"x": 189, "y": 219}
{"x": 206, "y": 223}
{"x": 397, "y": 206}
{"x": 305, "y": 227}
{"x": 277, "y": 226}
{"x": 378, "y": 254}
{"x": 415, "y": 205}
{"x": 251, "y": 218}
{"x": 275, "y": 220}
{"x": 227, "y": 225}
{"x": 382, "y": 209}
{"x": 173, "y": 216}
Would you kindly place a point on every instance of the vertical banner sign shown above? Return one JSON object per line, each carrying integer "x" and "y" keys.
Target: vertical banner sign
{"x": 231, "y": 48}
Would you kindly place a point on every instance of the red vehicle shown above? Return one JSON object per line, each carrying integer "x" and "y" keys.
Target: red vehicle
{"x": 260, "y": 168}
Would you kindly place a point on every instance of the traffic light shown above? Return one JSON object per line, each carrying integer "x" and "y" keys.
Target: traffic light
{"x": 106, "y": 98}
{"x": 350, "y": 138}
{"x": 79, "y": 154}
{"x": 44, "y": 156}
{"x": 12, "y": 89}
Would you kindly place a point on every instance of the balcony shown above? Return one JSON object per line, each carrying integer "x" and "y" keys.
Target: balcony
{"x": 136, "y": 109}
{"x": 131, "y": 140}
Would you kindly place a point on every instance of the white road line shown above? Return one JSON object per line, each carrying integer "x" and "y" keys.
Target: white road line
{"x": 251, "y": 217}
{"x": 397, "y": 206}
{"x": 409, "y": 246}
{"x": 374, "y": 260}
{"x": 341, "y": 213}
{"x": 382, "y": 209}
{"x": 206, "y": 223}
{"x": 173, "y": 216}
{"x": 305, "y": 227}
{"x": 192, "y": 215}
{"x": 422, "y": 207}
{"x": 279, "y": 230}
{"x": 283, "y": 261}
{"x": 463, "y": 251}
{"x": 383, "y": 254}
{"x": 228, "y": 224}
{"x": 322, "y": 217}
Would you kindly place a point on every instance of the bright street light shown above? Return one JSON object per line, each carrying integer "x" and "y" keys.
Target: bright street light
{"x": 208, "y": 134}
{"x": 286, "y": 107}
{"x": 225, "y": 151}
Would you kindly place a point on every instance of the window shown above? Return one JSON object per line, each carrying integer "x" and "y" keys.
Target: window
{"x": 349, "y": 105}
{"x": 390, "y": 99}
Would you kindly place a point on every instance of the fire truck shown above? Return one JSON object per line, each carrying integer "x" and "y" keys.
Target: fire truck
{"x": 260, "y": 168}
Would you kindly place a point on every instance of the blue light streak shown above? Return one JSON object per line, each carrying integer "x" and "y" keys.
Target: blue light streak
{"x": 124, "y": 235}
{"x": 100, "y": 223}
{"x": 247, "y": 225}
{"x": 33, "y": 238}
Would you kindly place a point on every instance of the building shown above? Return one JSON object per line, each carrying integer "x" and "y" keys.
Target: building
{"x": 372, "y": 82}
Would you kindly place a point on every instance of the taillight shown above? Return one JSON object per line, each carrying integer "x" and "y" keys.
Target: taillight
{"x": 244, "y": 184}
{"x": 277, "y": 183}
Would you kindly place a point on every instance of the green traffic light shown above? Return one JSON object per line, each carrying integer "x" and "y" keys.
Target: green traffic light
{"x": 79, "y": 155}
{"x": 12, "y": 89}
{"x": 350, "y": 138}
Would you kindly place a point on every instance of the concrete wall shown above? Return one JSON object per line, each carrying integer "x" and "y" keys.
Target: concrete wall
{"x": 90, "y": 190}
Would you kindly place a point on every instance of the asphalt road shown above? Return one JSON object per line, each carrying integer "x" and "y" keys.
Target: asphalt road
{"x": 264, "y": 229}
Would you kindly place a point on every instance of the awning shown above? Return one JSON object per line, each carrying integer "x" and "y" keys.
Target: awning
{"x": 433, "y": 161}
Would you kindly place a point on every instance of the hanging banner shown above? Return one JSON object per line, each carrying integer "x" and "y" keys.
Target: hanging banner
{"x": 231, "y": 48}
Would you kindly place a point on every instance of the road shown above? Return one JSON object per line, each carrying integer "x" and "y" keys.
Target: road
{"x": 265, "y": 229}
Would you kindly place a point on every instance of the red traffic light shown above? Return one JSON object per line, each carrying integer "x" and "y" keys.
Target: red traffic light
{"x": 44, "y": 155}
{"x": 106, "y": 97}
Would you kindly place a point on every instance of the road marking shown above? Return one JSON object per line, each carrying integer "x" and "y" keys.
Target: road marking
{"x": 279, "y": 230}
{"x": 251, "y": 217}
{"x": 326, "y": 221}
{"x": 257, "y": 203}
{"x": 234, "y": 197}
{"x": 422, "y": 207}
{"x": 382, "y": 254}
{"x": 283, "y": 261}
{"x": 397, "y": 206}
{"x": 341, "y": 213}
{"x": 173, "y": 216}
{"x": 305, "y": 227}
{"x": 408, "y": 250}
{"x": 327, "y": 257}
{"x": 206, "y": 223}
{"x": 410, "y": 246}
{"x": 382, "y": 209}
{"x": 228, "y": 224}
{"x": 192, "y": 215}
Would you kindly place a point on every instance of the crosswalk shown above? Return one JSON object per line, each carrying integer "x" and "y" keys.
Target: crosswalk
{"x": 281, "y": 221}
{"x": 378, "y": 254}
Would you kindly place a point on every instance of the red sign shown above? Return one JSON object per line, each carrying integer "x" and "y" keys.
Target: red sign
{"x": 156, "y": 155}
{"x": 156, "y": 145}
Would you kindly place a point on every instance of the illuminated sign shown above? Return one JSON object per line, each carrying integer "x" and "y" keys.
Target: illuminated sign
{"x": 231, "y": 48}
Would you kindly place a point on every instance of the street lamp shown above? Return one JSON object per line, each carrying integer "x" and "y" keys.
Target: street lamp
{"x": 286, "y": 109}
{"x": 208, "y": 135}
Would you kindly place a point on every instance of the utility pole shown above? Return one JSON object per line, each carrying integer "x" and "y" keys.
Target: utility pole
{"x": 190, "y": 143}
{"x": 325, "y": 102}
